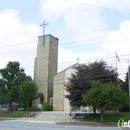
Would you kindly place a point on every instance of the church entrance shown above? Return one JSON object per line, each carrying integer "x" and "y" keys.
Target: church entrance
{"x": 41, "y": 98}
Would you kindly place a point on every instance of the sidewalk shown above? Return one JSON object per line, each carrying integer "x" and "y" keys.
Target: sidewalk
{"x": 38, "y": 120}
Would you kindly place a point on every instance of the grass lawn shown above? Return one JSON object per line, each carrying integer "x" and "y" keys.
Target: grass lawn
{"x": 15, "y": 114}
{"x": 108, "y": 117}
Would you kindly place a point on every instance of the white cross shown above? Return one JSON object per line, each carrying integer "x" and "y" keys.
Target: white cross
{"x": 44, "y": 25}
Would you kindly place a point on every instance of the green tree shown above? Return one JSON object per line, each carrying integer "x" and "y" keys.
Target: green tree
{"x": 105, "y": 95}
{"x": 2, "y": 93}
{"x": 79, "y": 82}
{"x": 9, "y": 78}
{"x": 28, "y": 92}
{"x": 125, "y": 87}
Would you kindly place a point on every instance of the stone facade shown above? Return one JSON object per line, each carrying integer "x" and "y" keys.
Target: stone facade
{"x": 45, "y": 66}
{"x": 60, "y": 103}
{"x": 58, "y": 92}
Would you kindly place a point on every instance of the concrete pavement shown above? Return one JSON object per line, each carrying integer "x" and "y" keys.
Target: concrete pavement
{"x": 33, "y": 120}
{"x": 59, "y": 122}
{"x": 15, "y": 125}
{"x": 39, "y": 120}
{"x": 60, "y": 118}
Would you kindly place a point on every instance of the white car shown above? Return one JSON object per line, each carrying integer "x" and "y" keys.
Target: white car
{"x": 20, "y": 109}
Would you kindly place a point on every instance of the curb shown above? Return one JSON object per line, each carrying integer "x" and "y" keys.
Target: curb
{"x": 3, "y": 119}
{"x": 87, "y": 124}
{"x": 37, "y": 122}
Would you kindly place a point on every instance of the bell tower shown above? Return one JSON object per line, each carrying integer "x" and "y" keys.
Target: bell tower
{"x": 45, "y": 66}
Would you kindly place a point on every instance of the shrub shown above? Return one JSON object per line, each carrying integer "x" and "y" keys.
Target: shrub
{"x": 33, "y": 109}
{"x": 46, "y": 107}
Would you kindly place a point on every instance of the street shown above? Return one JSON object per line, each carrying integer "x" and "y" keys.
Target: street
{"x": 15, "y": 125}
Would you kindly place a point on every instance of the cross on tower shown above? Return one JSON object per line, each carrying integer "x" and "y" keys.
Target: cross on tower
{"x": 44, "y": 25}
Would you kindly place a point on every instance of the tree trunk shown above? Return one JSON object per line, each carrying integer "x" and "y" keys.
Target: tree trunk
{"x": 102, "y": 120}
{"x": 117, "y": 110}
{"x": 94, "y": 111}
{"x": 10, "y": 106}
{"x": 27, "y": 106}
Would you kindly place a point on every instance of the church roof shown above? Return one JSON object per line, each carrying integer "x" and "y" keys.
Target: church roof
{"x": 68, "y": 68}
{"x": 49, "y": 35}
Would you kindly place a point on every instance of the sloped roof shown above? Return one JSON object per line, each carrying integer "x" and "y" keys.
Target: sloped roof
{"x": 68, "y": 68}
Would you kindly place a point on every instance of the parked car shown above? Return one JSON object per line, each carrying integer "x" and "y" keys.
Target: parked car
{"x": 80, "y": 116}
{"x": 20, "y": 109}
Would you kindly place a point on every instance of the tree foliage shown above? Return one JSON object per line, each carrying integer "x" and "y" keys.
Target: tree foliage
{"x": 125, "y": 88}
{"x": 2, "y": 93}
{"x": 126, "y": 85}
{"x": 28, "y": 92}
{"x": 16, "y": 86}
{"x": 79, "y": 82}
{"x": 9, "y": 76}
{"x": 105, "y": 95}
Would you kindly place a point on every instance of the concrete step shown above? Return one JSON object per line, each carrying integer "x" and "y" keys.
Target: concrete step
{"x": 60, "y": 115}
{"x": 53, "y": 115}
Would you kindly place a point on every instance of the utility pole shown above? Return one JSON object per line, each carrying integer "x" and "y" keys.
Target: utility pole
{"x": 117, "y": 58}
{"x": 129, "y": 84}
{"x": 44, "y": 25}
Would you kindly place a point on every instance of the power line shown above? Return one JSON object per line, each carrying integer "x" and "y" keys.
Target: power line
{"x": 96, "y": 38}
{"x": 71, "y": 42}
{"x": 91, "y": 59}
{"x": 62, "y": 81}
{"x": 93, "y": 31}
{"x": 96, "y": 6}
{"x": 99, "y": 43}
{"x": 30, "y": 50}
{"x": 39, "y": 68}
{"x": 68, "y": 36}
{"x": 18, "y": 44}
{"x": 65, "y": 65}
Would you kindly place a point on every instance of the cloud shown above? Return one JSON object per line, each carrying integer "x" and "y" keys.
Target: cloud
{"x": 120, "y": 39}
{"x": 68, "y": 18}
{"x": 118, "y": 5}
{"x": 51, "y": 9}
{"x": 14, "y": 32}
{"x": 83, "y": 19}
{"x": 67, "y": 57}
{"x": 76, "y": 18}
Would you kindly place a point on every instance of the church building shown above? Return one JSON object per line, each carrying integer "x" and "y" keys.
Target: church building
{"x": 60, "y": 103}
{"x": 49, "y": 82}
